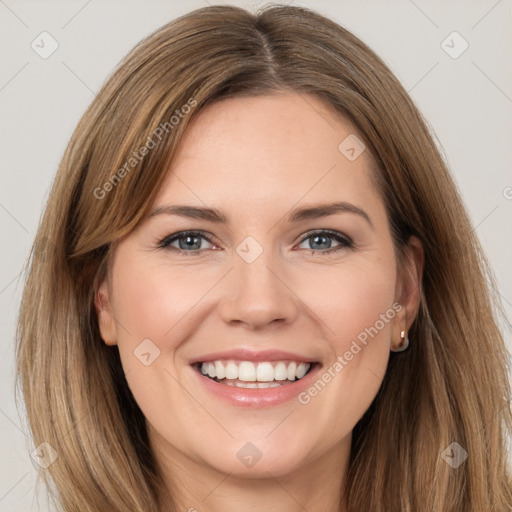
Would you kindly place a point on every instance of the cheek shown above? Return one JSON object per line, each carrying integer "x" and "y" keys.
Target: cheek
{"x": 352, "y": 300}
{"x": 156, "y": 303}
{"x": 153, "y": 301}
{"x": 357, "y": 308}
{"x": 160, "y": 304}
{"x": 361, "y": 306}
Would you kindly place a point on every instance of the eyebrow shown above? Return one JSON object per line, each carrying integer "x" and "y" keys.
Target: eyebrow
{"x": 308, "y": 212}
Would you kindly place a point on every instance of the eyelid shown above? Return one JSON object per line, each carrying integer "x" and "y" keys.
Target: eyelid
{"x": 164, "y": 243}
{"x": 345, "y": 241}
{"x": 331, "y": 232}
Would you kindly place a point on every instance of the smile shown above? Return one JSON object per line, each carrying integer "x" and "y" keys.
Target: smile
{"x": 249, "y": 374}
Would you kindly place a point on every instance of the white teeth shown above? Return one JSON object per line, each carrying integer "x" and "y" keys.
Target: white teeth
{"x": 291, "y": 371}
{"x": 301, "y": 370}
{"x": 220, "y": 372}
{"x": 246, "y": 371}
{"x": 260, "y": 385}
{"x": 263, "y": 385}
{"x": 264, "y": 373}
{"x": 280, "y": 372}
{"x": 231, "y": 371}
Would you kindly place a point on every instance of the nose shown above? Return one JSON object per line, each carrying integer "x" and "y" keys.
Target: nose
{"x": 257, "y": 295}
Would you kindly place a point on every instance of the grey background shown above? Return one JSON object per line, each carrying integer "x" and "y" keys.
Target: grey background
{"x": 466, "y": 100}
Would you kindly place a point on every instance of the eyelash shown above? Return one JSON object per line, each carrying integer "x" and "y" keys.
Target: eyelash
{"x": 346, "y": 242}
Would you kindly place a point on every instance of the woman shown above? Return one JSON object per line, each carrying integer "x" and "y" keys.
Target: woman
{"x": 185, "y": 344}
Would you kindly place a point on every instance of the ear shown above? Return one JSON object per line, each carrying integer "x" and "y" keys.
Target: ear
{"x": 104, "y": 311}
{"x": 408, "y": 288}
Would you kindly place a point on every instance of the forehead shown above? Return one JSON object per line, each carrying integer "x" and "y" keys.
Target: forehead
{"x": 264, "y": 151}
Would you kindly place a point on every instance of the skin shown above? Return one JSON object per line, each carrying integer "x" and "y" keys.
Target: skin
{"x": 257, "y": 159}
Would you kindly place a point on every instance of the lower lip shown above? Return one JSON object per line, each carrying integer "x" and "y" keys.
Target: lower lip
{"x": 250, "y": 397}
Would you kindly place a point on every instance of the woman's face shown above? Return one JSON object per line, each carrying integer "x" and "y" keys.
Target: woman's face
{"x": 281, "y": 284}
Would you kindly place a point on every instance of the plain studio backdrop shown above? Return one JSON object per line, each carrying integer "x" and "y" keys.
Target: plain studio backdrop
{"x": 453, "y": 57}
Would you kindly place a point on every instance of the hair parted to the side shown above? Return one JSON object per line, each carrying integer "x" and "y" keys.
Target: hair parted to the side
{"x": 450, "y": 385}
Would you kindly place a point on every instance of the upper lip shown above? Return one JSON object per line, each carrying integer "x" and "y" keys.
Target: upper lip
{"x": 242, "y": 354}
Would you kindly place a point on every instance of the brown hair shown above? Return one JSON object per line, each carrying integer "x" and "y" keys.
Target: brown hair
{"x": 450, "y": 385}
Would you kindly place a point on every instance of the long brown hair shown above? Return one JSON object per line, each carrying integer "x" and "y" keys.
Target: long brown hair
{"x": 450, "y": 385}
